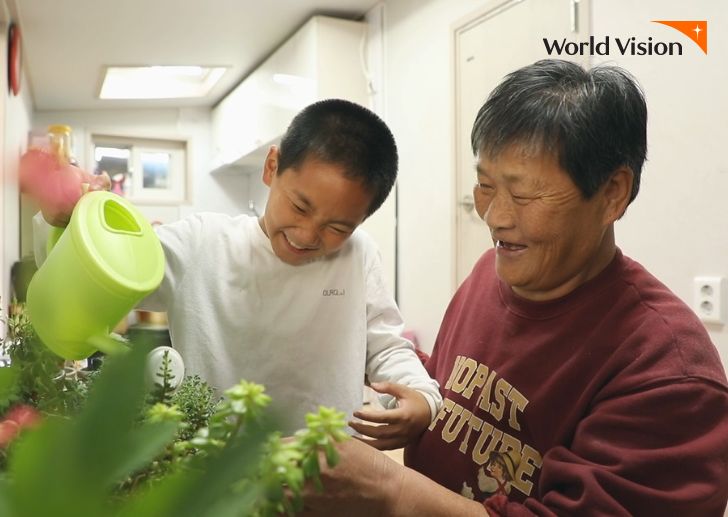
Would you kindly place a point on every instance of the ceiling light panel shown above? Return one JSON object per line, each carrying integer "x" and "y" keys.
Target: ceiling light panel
{"x": 159, "y": 82}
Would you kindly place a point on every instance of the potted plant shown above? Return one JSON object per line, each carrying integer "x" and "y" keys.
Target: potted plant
{"x": 105, "y": 444}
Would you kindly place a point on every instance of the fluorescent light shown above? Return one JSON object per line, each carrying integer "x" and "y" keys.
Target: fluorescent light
{"x": 159, "y": 82}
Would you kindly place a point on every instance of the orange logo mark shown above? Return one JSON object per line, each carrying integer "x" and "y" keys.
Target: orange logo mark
{"x": 695, "y": 30}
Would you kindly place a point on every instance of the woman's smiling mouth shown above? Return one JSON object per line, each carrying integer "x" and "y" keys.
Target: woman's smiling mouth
{"x": 509, "y": 246}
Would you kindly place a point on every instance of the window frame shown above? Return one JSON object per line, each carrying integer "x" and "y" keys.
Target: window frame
{"x": 178, "y": 190}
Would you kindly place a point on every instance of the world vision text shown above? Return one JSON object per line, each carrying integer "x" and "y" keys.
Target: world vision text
{"x": 626, "y": 47}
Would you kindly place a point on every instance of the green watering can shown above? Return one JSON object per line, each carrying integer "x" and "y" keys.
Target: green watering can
{"x": 97, "y": 270}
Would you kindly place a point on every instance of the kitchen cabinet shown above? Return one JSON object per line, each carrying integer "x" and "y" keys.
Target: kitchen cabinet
{"x": 323, "y": 59}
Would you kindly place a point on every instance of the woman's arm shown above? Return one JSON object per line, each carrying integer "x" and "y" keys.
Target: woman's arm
{"x": 366, "y": 482}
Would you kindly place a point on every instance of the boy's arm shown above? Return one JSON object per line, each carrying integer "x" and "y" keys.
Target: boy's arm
{"x": 391, "y": 361}
{"x": 391, "y": 357}
{"x": 175, "y": 239}
{"x": 41, "y": 232}
{"x": 181, "y": 242}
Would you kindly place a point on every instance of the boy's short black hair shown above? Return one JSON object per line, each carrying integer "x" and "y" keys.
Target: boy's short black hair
{"x": 347, "y": 134}
{"x": 593, "y": 121}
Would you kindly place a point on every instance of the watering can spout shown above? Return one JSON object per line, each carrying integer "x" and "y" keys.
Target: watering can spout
{"x": 107, "y": 344}
{"x": 106, "y": 260}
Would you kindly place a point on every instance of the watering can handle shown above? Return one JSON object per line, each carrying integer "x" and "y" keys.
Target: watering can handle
{"x": 54, "y": 234}
{"x": 108, "y": 345}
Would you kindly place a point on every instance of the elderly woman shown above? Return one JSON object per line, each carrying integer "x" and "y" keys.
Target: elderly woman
{"x": 600, "y": 386}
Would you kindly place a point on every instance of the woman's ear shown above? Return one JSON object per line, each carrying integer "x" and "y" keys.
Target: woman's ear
{"x": 270, "y": 166}
{"x": 617, "y": 192}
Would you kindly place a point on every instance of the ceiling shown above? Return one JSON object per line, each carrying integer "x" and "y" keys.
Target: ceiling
{"x": 67, "y": 44}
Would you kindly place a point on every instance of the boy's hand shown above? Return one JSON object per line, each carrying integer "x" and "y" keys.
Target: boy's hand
{"x": 397, "y": 426}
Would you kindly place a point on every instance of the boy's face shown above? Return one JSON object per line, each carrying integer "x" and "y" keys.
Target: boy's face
{"x": 311, "y": 210}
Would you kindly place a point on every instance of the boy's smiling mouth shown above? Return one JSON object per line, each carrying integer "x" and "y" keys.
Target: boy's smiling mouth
{"x": 298, "y": 248}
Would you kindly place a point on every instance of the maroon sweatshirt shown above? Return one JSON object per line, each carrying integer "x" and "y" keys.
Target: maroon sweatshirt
{"x": 609, "y": 401}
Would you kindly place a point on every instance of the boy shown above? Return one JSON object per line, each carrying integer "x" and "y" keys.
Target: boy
{"x": 295, "y": 300}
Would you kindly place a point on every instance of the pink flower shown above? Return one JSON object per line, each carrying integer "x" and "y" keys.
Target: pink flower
{"x": 56, "y": 185}
{"x": 18, "y": 418}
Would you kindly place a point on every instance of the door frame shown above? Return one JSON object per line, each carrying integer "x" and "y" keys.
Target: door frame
{"x": 488, "y": 10}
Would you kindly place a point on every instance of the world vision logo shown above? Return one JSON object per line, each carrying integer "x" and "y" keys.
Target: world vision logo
{"x": 695, "y": 30}
{"x": 631, "y": 46}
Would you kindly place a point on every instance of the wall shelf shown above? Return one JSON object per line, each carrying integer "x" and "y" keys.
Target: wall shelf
{"x": 251, "y": 163}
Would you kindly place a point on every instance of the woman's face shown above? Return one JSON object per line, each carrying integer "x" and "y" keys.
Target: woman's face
{"x": 549, "y": 239}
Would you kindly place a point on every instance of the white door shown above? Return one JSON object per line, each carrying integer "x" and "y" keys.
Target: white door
{"x": 489, "y": 45}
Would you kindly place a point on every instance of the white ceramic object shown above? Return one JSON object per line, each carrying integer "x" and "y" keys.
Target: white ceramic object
{"x": 154, "y": 365}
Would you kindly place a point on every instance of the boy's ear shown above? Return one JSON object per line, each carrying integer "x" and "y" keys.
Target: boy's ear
{"x": 270, "y": 166}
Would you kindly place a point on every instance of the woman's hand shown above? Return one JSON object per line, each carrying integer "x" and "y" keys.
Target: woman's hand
{"x": 364, "y": 483}
{"x": 368, "y": 483}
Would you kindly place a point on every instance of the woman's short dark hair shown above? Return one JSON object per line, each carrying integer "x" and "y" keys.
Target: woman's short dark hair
{"x": 347, "y": 134}
{"x": 593, "y": 121}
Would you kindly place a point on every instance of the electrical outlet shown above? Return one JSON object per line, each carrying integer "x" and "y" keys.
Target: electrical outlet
{"x": 708, "y": 298}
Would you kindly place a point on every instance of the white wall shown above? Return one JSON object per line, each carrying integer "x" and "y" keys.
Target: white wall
{"x": 678, "y": 225}
{"x": 220, "y": 193}
{"x": 17, "y": 124}
{"x": 3, "y": 85}
{"x": 419, "y": 110}
{"x": 14, "y": 124}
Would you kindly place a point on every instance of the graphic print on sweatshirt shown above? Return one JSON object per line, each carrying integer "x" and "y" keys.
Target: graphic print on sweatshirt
{"x": 486, "y": 429}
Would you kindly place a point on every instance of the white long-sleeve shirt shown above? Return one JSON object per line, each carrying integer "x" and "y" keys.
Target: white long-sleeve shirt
{"x": 309, "y": 333}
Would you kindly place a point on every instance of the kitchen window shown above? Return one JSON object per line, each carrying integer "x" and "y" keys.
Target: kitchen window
{"x": 145, "y": 171}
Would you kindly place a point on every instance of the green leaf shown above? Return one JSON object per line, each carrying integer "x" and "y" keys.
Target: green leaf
{"x": 75, "y": 464}
{"x": 310, "y": 466}
{"x": 8, "y": 385}
{"x": 234, "y": 505}
{"x": 196, "y": 491}
{"x": 5, "y": 505}
{"x": 103, "y": 430}
{"x": 141, "y": 446}
{"x": 43, "y": 463}
{"x": 332, "y": 455}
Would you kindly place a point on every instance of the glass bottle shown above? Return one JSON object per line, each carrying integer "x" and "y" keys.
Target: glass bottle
{"x": 61, "y": 142}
